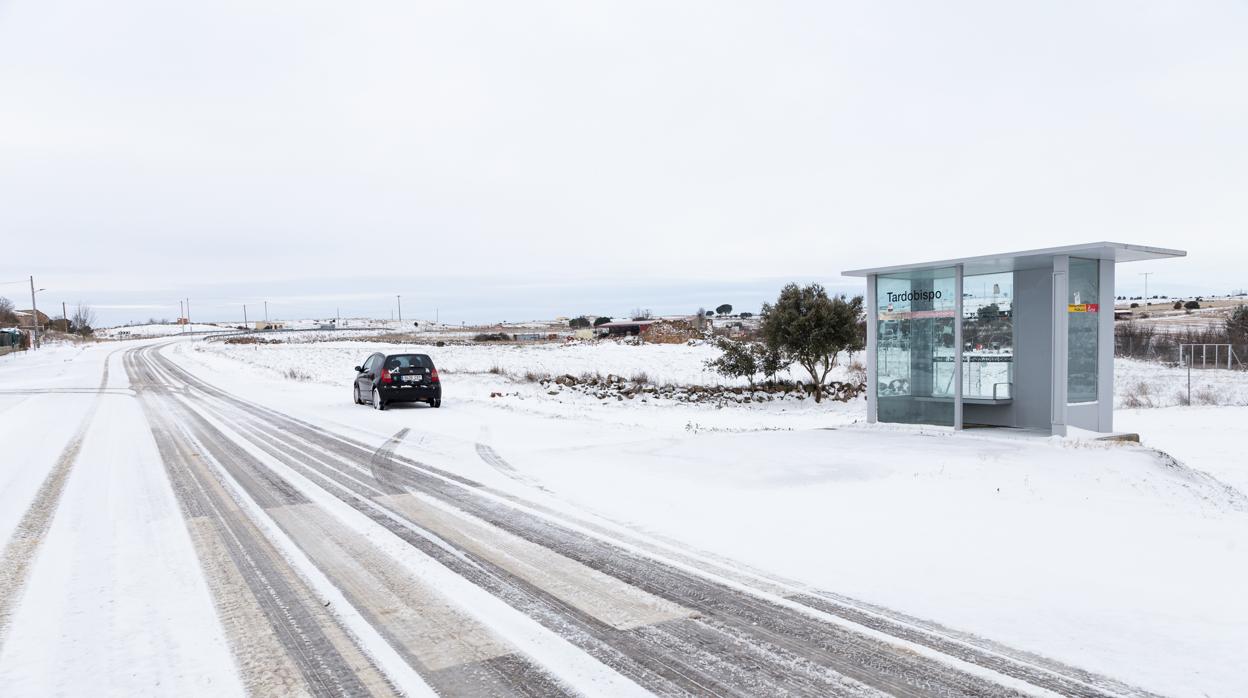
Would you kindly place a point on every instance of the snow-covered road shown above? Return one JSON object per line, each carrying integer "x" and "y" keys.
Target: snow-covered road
{"x": 166, "y": 536}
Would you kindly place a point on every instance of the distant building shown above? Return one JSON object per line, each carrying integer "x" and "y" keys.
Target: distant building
{"x": 626, "y": 328}
{"x": 23, "y": 318}
{"x": 270, "y": 325}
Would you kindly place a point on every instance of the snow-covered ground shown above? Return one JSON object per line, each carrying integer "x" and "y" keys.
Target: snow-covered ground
{"x": 1151, "y": 384}
{"x": 1210, "y": 439}
{"x": 1109, "y": 557}
{"x": 469, "y": 378}
{"x": 114, "y": 603}
{"x": 1106, "y": 556}
{"x": 158, "y": 330}
{"x": 323, "y": 361}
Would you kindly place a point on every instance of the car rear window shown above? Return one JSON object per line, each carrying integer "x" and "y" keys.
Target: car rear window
{"x": 408, "y": 361}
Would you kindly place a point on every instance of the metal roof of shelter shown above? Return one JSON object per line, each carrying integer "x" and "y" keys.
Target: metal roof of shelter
{"x": 1032, "y": 259}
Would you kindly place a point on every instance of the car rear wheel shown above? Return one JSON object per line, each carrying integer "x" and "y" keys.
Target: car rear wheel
{"x": 435, "y": 403}
{"x": 355, "y": 395}
{"x": 378, "y": 404}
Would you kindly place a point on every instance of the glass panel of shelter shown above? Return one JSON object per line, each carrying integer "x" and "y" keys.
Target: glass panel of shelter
{"x": 1082, "y": 329}
{"x": 915, "y": 314}
{"x": 988, "y": 337}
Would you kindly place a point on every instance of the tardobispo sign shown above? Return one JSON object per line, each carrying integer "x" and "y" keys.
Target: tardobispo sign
{"x": 912, "y": 296}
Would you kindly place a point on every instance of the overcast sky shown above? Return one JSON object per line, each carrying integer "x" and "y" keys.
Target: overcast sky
{"x": 532, "y": 159}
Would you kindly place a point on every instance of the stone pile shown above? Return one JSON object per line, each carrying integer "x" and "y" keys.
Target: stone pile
{"x": 613, "y": 387}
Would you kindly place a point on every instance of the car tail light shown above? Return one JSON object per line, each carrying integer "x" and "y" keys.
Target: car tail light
{"x": 433, "y": 375}
{"x": 385, "y": 376}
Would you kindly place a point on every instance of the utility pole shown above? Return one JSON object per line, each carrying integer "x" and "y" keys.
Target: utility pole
{"x": 1146, "y": 274}
{"x": 181, "y": 315}
{"x": 188, "y": 311}
{"x": 400, "y": 301}
{"x": 244, "y": 314}
{"x": 64, "y": 316}
{"x": 34, "y": 316}
{"x": 266, "y": 312}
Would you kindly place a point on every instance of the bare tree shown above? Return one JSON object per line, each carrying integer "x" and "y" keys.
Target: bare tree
{"x": 83, "y": 319}
{"x": 8, "y": 318}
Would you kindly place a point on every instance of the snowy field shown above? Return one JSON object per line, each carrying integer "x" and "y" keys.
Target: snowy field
{"x": 476, "y": 372}
{"x": 323, "y": 361}
{"x": 1150, "y": 384}
{"x": 1106, "y": 556}
{"x": 158, "y": 330}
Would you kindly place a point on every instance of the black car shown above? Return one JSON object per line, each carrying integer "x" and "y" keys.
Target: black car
{"x": 387, "y": 378}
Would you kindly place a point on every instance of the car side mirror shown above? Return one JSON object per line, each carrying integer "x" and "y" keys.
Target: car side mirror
{"x": 359, "y": 369}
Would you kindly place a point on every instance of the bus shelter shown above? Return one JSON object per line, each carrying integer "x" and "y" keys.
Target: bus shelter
{"x": 1020, "y": 339}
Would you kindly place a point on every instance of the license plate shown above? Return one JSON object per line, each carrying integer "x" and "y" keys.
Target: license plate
{"x": 411, "y": 379}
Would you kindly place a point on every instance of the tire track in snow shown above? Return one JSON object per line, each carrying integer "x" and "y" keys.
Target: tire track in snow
{"x": 20, "y": 552}
{"x": 452, "y": 651}
{"x": 508, "y": 673}
{"x": 491, "y": 457}
{"x": 282, "y": 636}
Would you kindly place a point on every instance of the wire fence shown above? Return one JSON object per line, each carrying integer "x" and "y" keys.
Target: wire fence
{"x": 1147, "y": 343}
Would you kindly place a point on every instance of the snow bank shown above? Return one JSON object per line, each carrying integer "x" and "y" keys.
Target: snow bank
{"x": 1101, "y": 556}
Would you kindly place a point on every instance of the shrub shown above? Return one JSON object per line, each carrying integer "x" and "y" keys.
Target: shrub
{"x": 1237, "y": 326}
{"x": 1206, "y": 395}
{"x": 771, "y": 360}
{"x": 1192, "y": 305}
{"x": 601, "y": 321}
{"x": 1138, "y": 395}
{"x": 492, "y": 337}
{"x": 1178, "y": 305}
{"x": 1135, "y": 305}
{"x": 579, "y": 323}
{"x": 737, "y": 360}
